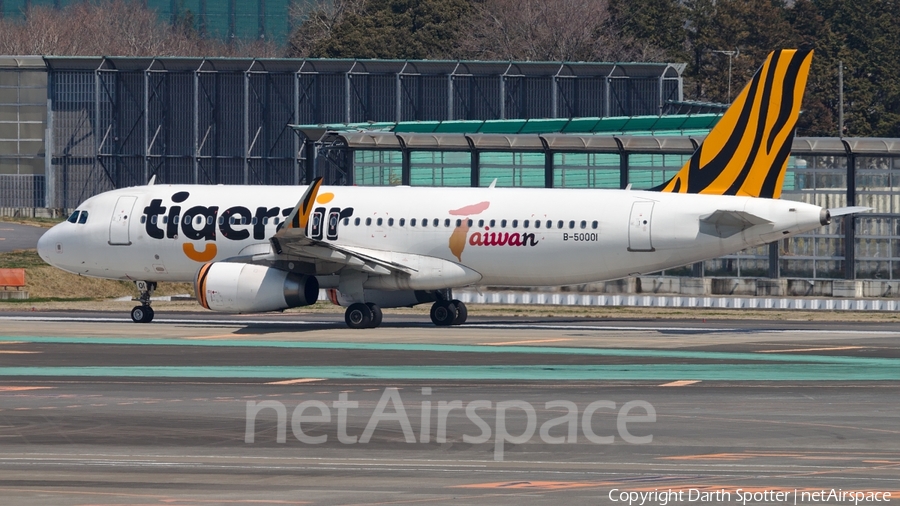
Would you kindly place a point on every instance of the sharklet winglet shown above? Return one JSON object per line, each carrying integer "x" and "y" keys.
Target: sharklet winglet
{"x": 299, "y": 217}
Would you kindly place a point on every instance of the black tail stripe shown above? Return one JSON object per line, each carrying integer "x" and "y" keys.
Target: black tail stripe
{"x": 700, "y": 179}
{"x": 769, "y": 185}
{"x": 738, "y": 181}
{"x": 787, "y": 97}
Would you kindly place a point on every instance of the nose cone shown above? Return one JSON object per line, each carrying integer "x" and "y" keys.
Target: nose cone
{"x": 47, "y": 244}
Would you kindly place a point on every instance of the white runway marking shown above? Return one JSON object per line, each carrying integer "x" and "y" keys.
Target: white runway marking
{"x": 526, "y": 326}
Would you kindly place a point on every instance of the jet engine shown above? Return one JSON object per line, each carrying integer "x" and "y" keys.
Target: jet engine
{"x": 247, "y": 288}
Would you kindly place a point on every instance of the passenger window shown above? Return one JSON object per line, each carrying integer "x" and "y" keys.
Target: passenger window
{"x": 583, "y": 224}
{"x": 276, "y": 220}
{"x": 549, "y": 224}
{"x": 447, "y": 222}
{"x": 165, "y": 219}
{"x": 458, "y": 222}
{"x": 470, "y": 223}
{"x": 559, "y": 224}
{"x": 74, "y": 217}
{"x": 379, "y": 222}
{"x": 187, "y": 219}
{"x": 346, "y": 221}
{"x": 253, "y": 221}
{"x": 412, "y": 222}
{"x": 502, "y": 223}
{"x": 492, "y": 223}
{"x": 402, "y": 221}
{"x": 368, "y": 221}
{"x": 152, "y": 219}
{"x": 265, "y": 221}
{"x": 356, "y": 222}
{"x": 390, "y": 222}
{"x": 571, "y": 224}
{"x": 537, "y": 224}
{"x": 424, "y": 222}
{"x": 480, "y": 223}
{"x": 594, "y": 224}
{"x": 83, "y": 219}
{"x": 525, "y": 224}
{"x": 143, "y": 219}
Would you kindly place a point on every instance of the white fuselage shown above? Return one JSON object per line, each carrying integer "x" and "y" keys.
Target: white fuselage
{"x": 518, "y": 237}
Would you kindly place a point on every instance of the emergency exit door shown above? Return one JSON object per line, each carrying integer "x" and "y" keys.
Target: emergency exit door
{"x": 639, "y": 227}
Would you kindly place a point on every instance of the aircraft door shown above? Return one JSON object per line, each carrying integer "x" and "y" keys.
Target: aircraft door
{"x": 334, "y": 217}
{"x": 639, "y": 226}
{"x": 119, "y": 223}
{"x": 318, "y": 218}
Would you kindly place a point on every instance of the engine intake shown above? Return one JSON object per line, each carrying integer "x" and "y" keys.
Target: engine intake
{"x": 247, "y": 288}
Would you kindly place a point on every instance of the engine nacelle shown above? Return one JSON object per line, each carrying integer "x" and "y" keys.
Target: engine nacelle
{"x": 247, "y": 288}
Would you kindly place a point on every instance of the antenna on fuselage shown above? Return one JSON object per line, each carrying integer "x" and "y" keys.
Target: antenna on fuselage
{"x": 152, "y": 180}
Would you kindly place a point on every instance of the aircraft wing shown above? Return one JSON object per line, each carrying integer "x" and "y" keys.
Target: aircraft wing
{"x": 291, "y": 243}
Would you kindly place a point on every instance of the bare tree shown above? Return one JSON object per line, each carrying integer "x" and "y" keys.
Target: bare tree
{"x": 535, "y": 30}
{"x": 316, "y": 21}
{"x": 545, "y": 30}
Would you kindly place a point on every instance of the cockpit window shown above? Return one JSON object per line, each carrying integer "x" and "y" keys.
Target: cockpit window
{"x": 74, "y": 217}
{"x": 84, "y": 217}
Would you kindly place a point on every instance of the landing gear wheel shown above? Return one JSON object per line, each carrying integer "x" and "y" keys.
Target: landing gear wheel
{"x": 141, "y": 314}
{"x": 358, "y": 316}
{"x": 443, "y": 313}
{"x": 377, "y": 315}
{"x": 461, "y": 312}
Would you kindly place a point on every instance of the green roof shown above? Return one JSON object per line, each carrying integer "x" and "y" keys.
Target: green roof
{"x": 691, "y": 123}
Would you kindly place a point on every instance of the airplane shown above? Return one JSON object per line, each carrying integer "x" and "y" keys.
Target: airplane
{"x": 256, "y": 248}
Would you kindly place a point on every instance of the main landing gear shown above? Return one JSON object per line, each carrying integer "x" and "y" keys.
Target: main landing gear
{"x": 368, "y": 316}
{"x": 143, "y": 313}
{"x": 363, "y": 316}
{"x": 448, "y": 312}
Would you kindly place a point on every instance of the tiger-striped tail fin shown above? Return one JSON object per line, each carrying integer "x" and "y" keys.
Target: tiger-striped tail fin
{"x": 747, "y": 151}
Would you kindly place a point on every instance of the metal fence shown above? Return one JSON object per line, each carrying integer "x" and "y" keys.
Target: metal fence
{"x": 23, "y": 116}
{"x": 116, "y": 122}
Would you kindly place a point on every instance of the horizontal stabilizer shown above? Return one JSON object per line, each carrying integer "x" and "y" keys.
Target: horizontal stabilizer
{"x": 842, "y": 211}
{"x": 728, "y": 223}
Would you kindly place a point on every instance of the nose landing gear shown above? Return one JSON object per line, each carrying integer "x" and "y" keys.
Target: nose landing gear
{"x": 143, "y": 313}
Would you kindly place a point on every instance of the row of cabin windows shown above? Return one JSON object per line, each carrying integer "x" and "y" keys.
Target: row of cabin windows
{"x": 79, "y": 217}
{"x": 199, "y": 219}
{"x": 481, "y": 223}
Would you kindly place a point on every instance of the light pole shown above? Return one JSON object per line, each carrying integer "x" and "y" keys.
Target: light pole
{"x": 731, "y": 54}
